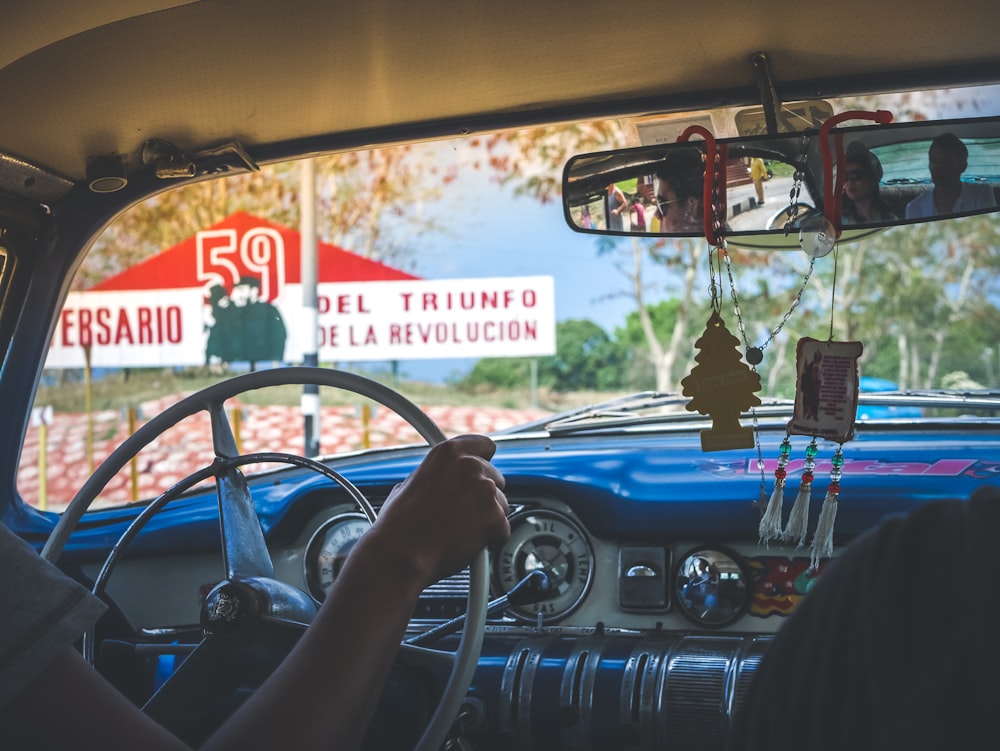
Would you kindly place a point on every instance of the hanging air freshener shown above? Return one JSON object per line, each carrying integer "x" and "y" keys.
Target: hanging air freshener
{"x": 721, "y": 385}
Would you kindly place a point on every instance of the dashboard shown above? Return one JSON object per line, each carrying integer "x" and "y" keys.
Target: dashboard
{"x": 659, "y": 599}
{"x": 640, "y": 585}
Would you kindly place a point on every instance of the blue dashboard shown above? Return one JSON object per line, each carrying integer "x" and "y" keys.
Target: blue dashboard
{"x": 661, "y": 598}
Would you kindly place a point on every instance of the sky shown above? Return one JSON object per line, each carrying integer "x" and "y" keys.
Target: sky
{"x": 527, "y": 238}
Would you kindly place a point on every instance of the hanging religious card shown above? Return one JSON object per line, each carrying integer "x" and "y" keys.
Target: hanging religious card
{"x": 826, "y": 403}
{"x": 721, "y": 385}
{"x": 826, "y": 390}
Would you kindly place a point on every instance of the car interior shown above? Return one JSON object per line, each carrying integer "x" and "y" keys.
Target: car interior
{"x": 694, "y": 416}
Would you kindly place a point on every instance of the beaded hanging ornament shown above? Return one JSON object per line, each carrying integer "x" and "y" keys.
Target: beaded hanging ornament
{"x": 826, "y": 403}
{"x": 816, "y": 242}
{"x": 723, "y": 386}
{"x": 826, "y": 393}
{"x": 770, "y": 522}
{"x": 809, "y": 385}
{"x": 827, "y": 372}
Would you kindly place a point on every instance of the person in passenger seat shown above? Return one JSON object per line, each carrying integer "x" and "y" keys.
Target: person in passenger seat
{"x": 890, "y": 649}
{"x": 948, "y": 159}
{"x": 863, "y": 203}
{"x": 326, "y": 690}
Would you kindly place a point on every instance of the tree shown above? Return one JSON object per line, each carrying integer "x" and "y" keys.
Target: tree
{"x": 497, "y": 373}
{"x": 372, "y": 202}
{"x": 916, "y": 292}
{"x": 586, "y": 359}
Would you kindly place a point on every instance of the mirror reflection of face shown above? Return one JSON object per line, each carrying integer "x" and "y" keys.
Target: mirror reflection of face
{"x": 676, "y": 214}
{"x": 857, "y": 182}
{"x": 945, "y": 166}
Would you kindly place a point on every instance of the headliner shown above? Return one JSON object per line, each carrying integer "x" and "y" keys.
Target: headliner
{"x": 80, "y": 79}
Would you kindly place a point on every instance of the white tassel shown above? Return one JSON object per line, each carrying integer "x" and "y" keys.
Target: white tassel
{"x": 798, "y": 521}
{"x": 770, "y": 522}
{"x": 822, "y": 545}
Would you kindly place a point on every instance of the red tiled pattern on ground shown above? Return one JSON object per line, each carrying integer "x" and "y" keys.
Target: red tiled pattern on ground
{"x": 188, "y": 446}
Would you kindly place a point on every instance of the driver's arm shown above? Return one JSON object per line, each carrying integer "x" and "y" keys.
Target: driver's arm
{"x": 325, "y": 692}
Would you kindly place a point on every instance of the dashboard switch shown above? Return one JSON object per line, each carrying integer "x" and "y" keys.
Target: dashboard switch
{"x": 642, "y": 578}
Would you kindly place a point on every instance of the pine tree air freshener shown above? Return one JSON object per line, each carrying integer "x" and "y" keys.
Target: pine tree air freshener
{"x": 723, "y": 386}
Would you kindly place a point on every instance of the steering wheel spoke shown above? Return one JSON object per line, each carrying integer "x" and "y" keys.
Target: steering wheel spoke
{"x": 243, "y": 545}
{"x": 425, "y": 657}
{"x": 223, "y": 440}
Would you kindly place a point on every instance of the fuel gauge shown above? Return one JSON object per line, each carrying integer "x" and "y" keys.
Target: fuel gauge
{"x": 551, "y": 542}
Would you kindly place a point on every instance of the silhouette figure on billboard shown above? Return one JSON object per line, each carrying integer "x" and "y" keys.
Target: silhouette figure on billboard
{"x": 244, "y": 328}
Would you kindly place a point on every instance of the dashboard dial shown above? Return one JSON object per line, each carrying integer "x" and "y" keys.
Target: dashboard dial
{"x": 552, "y": 542}
{"x": 328, "y": 548}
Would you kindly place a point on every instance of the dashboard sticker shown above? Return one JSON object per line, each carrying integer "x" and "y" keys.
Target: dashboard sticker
{"x": 779, "y": 583}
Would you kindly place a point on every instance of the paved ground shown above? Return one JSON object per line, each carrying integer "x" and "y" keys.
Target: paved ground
{"x": 188, "y": 446}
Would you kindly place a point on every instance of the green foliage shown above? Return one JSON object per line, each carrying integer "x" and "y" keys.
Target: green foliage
{"x": 663, "y": 316}
{"x": 924, "y": 304}
{"x": 497, "y": 372}
{"x": 586, "y": 359}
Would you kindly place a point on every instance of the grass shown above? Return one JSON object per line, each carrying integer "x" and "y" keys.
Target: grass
{"x": 65, "y": 391}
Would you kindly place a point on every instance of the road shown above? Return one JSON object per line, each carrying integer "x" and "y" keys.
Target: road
{"x": 753, "y": 217}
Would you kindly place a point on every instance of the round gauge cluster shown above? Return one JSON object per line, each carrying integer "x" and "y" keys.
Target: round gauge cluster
{"x": 328, "y": 548}
{"x": 553, "y": 543}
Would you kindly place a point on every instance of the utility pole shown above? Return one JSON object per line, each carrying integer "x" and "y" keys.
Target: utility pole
{"x": 310, "y": 306}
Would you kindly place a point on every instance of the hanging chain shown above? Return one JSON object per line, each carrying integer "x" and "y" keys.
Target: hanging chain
{"x": 793, "y": 200}
{"x": 793, "y": 194}
{"x": 833, "y": 288}
{"x": 762, "y": 495}
{"x": 715, "y": 295}
{"x": 718, "y": 218}
{"x": 755, "y": 355}
{"x": 716, "y": 248}
{"x": 784, "y": 319}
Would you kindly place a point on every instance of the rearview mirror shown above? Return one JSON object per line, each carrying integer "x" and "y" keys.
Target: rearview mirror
{"x": 890, "y": 175}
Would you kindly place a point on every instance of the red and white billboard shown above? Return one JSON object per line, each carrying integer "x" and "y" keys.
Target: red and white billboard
{"x": 233, "y": 293}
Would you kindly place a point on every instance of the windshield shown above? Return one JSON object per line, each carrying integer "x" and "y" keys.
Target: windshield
{"x": 447, "y": 270}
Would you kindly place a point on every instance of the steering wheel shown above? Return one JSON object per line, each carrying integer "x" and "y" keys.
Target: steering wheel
{"x": 791, "y": 217}
{"x": 280, "y": 611}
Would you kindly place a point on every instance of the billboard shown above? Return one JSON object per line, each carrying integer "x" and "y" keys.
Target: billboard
{"x": 233, "y": 293}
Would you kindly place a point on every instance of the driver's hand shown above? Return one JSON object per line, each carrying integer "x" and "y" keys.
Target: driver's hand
{"x": 447, "y": 510}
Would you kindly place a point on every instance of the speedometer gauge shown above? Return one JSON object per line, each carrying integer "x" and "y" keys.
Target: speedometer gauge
{"x": 328, "y": 548}
{"x": 553, "y": 543}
